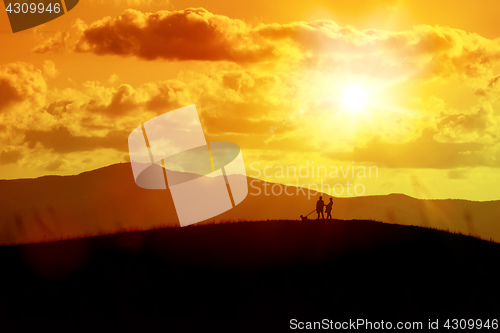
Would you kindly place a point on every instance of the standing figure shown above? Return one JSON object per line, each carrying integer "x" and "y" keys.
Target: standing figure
{"x": 329, "y": 209}
{"x": 319, "y": 207}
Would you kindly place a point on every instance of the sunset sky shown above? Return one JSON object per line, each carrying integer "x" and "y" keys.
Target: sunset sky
{"x": 410, "y": 87}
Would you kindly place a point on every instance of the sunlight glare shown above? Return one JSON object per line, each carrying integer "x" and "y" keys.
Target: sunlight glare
{"x": 354, "y": 98}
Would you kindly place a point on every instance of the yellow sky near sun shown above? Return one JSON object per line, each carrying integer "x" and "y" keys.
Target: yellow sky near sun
{"x": 407, "y": 86}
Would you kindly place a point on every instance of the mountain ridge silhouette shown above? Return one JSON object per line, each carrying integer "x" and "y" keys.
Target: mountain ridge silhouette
{"x": 107, "y": 200}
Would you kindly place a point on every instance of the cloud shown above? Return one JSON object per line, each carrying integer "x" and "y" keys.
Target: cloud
{"x": 197, "y": 34}
{"x": 56, "y": 43}
{"x": 437, "y": 50}
{"x": 424, "y": 152}
{"x": 105, "y": 103}
{"x": 21, "y": 82}
{"x": 190, "y": 34}
{"x": 10, "y": 156}
{"x": 93, "y": 117}
{"x": 248, "y": 105}
{"x": 57, "y": 108}
{"x": 123, "y": 100}
{"x": 61, "y": 140}
{"x": 478, "y": 125}
{"x": 490, "y": 90}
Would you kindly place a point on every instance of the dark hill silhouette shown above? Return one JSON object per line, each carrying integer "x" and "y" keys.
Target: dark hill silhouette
{"x": 107, "y": 200}
{"x": 248, "y": 277}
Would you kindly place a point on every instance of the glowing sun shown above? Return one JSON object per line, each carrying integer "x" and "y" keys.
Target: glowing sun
{"x": 354, "y": 98}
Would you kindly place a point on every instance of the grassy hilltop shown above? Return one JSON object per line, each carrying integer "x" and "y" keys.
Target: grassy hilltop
{"x": 247, "y": 277}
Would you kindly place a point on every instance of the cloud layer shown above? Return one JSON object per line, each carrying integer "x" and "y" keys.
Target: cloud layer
{"x": 197, "y": 34}
{"x": 267, "y": 87}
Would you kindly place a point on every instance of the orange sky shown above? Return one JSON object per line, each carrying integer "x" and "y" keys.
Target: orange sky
{"x": 274, "y": 77}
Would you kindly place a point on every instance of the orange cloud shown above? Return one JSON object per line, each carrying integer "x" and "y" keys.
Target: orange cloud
{"x": 481, "y": 125}
{"x": 490, "y": 90}
{"x": 197, "y": 34}
{"x": 20, "y": 82}
{"x": 191, "y": 34}
{"x": 56, "y": 43}
{"x": 61, "y": 141}
{"x": 256, "y": 109}
{"x": 280, "y": 105}
{"x": 10, "y": 156}
{"x": 436, "y": 50}
{"x": 424, "y": 152}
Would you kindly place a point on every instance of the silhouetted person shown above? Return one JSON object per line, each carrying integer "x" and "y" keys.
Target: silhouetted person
{"x": 328, "y": 209}
{"x": 319, "y": 207}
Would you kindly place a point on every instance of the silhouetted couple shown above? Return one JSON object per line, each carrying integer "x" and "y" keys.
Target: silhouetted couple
{"x": 320, "y": 204}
